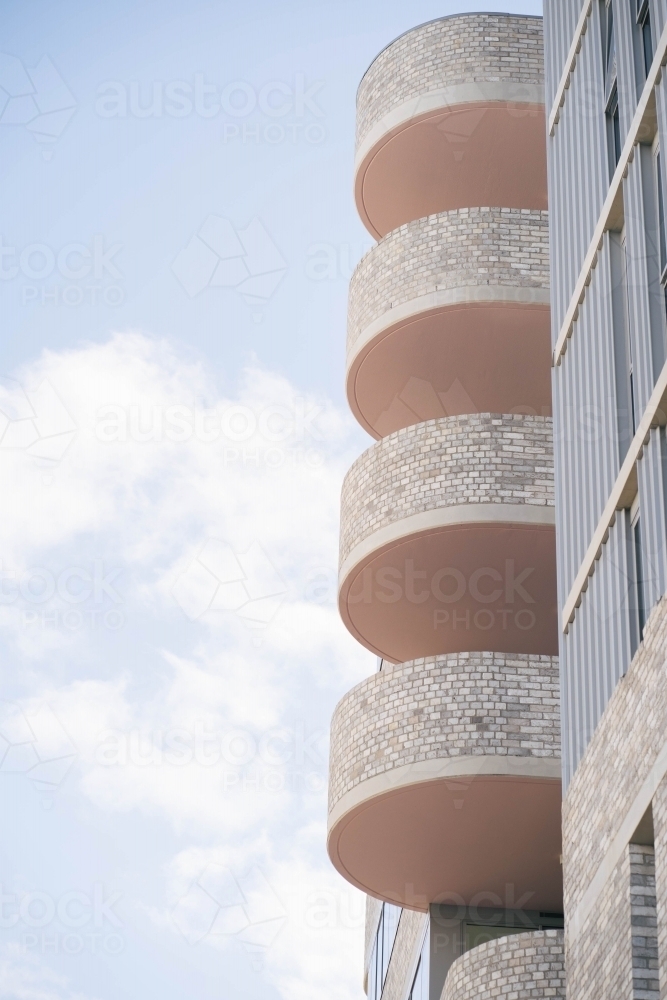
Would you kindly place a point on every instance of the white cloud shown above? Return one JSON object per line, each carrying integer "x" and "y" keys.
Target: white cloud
{"x": 293, "y": 916}
{"x": 25, "y": 978}
{"x": 213, "y": 723}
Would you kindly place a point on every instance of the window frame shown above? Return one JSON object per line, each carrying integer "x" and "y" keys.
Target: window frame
{"x": 378, "y": 966}
{"x": 638, "y": 566}
{"x": 644, "y": 22}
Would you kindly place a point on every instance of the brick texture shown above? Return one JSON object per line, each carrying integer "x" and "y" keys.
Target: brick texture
{"x": 660, "y": 854}
{"x": 468, "y": 48}
{"x": 463, "y": 247}
{"x": 445, "y": 706}
{"x": 518, "y": 967}
{"x": 643, "y": 923}
{"x": 602, "y": 952}
{"x": 474, "y": 458}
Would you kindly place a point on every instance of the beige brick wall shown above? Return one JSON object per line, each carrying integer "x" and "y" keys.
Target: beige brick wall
{"x": 603, "y": 947}
{"x": 474, "y": 458}
{"x": 518, "y": 967}
{"x": 445, "y": 706}
{"x": 463, "y": 49}
{"x": 466, "y": 246}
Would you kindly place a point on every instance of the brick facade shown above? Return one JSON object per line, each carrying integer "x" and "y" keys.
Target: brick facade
{"x": 469, "y": 48}
{"x": 445, "y": 706}
{"x": 643, "y": 922}
{"x": 463, "y": 247}
{"x": 518, "y": 967}
{"x": 470, "y": 459}
{"x": 611, "y": 933}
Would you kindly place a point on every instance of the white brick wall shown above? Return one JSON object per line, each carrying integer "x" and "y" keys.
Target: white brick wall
{"x": 463, "y": 247}
{"x": 468, "y": 48}
{"x": 445, "y": 706}
{"x": 474, "y": 458}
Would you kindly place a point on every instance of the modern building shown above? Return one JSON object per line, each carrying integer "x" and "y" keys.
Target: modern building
{"x": 445, "y": 774}
{"x": 606, "y": 100}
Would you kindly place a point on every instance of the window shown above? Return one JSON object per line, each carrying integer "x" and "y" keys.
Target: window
{"x": 662, "y": 235}
{"x": 638, "y": 573}
{"x": 609, "y": 48}
{"x": 644, "y": 22}
{"x": 661, "y": 217}
{"x": 637, "y": 591}
{"x": 506, "y": 923}
{"x": 382, "y": 948}
{"x": 610, "y": 85}
{"x": 419, "y": 988}
{"x": 622, "y": 344}
{"x": 613, "y": 130}
{"x": 476, "y": 934}
{"x": 420, "y": 984}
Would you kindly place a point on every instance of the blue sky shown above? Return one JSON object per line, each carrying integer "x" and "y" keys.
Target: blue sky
{"x": 178, "y": 232}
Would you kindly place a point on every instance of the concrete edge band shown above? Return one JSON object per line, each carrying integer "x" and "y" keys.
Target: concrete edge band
{"x": 442, "y": 100}
{"x": 524, "y": 515}
{"x": 441, "y": 299}
{"x": 564, "y": 83}
{"x": 408, "y": 775}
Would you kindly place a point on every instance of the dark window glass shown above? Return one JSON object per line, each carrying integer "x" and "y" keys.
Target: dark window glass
{"x": 639, "y": 577}
{"x": 417, "y": 985}
{"x": 661, "y": 215}
{"x": 420, "y": 984}
{"x": 613, "y": 130}
{"x": 644, "y": 22}
{"x": 610, "y": 45}
{"x": 384, "y": 943}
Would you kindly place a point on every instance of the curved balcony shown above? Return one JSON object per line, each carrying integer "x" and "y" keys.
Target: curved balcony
{"x": 523, "y": 966}
{"x": 450, "y": 314}
{"x": 447, "y": 116}
{"x": 445, "y": 779}
{"x": 447, "y": 539}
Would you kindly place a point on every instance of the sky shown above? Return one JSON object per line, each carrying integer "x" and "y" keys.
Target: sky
{"x": 177, "y": 236}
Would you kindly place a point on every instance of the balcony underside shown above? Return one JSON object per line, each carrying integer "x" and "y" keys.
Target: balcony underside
{"x": 452, "y": 156}
{"x": 482, "y": 831}
{"x": 462, "y": 586}
{"x": 474, "y": 357}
